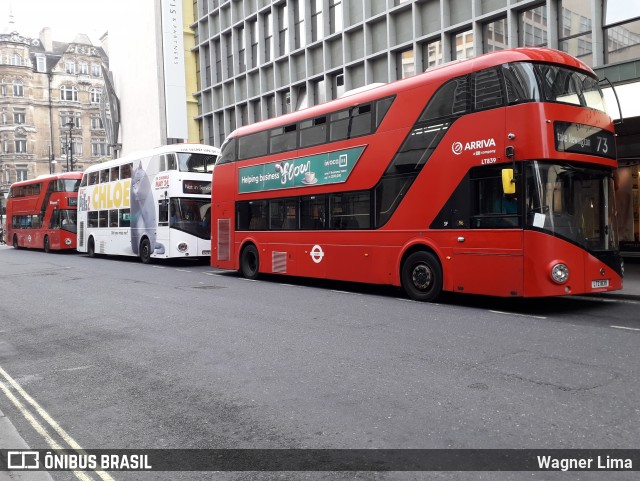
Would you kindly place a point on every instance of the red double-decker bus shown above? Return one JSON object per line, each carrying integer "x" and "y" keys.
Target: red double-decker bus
{"x": 42, "y": 212}
{"x": 492, "y": 175}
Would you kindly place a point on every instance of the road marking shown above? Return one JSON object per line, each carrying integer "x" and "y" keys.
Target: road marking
{"x": 517, "y": 314}
{"x": 183, "y": 270}
{"x": 627, "y": 328}
{"x": 50, "y": 421}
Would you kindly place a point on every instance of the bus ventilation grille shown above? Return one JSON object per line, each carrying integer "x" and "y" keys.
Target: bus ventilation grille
{"x": 81, "y": 235}
{"x": 224, "y": 239}
{"x": 279, "y": 262}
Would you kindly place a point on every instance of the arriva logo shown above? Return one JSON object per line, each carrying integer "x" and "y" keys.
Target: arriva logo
{"x": 458, "y": 148}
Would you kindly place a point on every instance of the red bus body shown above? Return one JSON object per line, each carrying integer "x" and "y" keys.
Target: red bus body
{"x": 41, "y": 213}
{"x": 460, "y": 254}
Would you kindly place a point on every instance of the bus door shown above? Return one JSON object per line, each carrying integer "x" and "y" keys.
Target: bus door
{"x": 487, "y": 256}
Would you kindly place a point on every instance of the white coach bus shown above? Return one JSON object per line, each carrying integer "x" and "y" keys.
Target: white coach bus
{"x": 151, "y": 204}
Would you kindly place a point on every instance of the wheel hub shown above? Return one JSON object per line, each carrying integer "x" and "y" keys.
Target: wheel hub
{"x": 421, "y": 277}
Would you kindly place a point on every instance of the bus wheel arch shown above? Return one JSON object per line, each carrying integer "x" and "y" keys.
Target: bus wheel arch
{"x": 249, "y": 261}
{"x": 145, "y": 250}
{"x": 421, "y": 274}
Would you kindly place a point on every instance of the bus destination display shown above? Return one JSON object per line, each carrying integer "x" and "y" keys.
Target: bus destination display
{"x": 583, "y": 139}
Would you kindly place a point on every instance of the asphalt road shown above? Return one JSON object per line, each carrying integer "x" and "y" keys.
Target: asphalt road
{"x": 178, "y": 355}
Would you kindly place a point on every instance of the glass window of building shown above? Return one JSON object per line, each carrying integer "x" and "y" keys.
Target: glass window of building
{"x": 622, "y": 29}
{"x": 15, "y": 59}
{"x": 253, "y": 34}
{"x": 95, "y": 95}
{"x": 268, "y": 36}
{"x": 575, "y": 29}
{"x": 19, "y": 116}
{"x": 298, "y": 20}
{"x": 83, "y": 68}
{"x": 21, "y": 172}
{"x": 70, "y": 68}
{"x": 18, "y": 88}
{"x": 317, "y": 25}
{"x": 283, "y": 31}
{"x": 463, "y": 44}
{"x": 432, "y": 54}
{"x": 41, "y": 64}
{"x": 494, "y": 35}
{"x": 68, "y": 93}
{"x": 406, "y": 64}
{"x": 335, "y": 16}
{"x": 242, "y": 60}
{"x": 532, "y": 27}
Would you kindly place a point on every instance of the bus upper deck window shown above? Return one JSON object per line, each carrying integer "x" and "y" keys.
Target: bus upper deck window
{"x": 171, "y": 162}
{"x": 104, "y": 176}
{"x": 125, "y": 171}
{"x": 114, "y": 173}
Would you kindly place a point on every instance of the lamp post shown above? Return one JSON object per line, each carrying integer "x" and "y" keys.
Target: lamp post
{"x": 70, "y": 126}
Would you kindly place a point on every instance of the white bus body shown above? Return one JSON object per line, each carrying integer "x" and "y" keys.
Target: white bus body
{"x": 151, "y": 204}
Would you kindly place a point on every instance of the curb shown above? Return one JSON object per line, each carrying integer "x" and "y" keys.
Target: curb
{"x": 11, "y": 439}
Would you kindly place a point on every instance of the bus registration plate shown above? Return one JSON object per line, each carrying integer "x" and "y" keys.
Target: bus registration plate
{"x": 208, "y": 253}
{"x": 599, "y": 283}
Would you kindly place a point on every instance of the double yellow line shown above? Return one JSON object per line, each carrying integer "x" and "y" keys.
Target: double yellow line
{"x": 8, "y": 385}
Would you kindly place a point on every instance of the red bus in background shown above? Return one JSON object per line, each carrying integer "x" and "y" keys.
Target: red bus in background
{"x": 42, "y": 213}
{"x": 492, "y": 175}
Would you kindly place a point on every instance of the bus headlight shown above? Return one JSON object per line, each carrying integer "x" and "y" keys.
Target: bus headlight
{"x": 182, "y": 247}
{"x": 560, "y": 273}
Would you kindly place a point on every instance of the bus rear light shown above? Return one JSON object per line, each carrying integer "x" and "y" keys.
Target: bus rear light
{"x": 560, "y": 273}
{"x": 182, "y": 247}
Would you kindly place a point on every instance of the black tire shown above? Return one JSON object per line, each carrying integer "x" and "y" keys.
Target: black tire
{"x": 421, "y": 276}
{"x": 250, "y": 262}
{"x": 145, "y": 251}
{"x": 45, "y": 244}
{"x": 15, "y": 241}
{"x": 91, "y": 247}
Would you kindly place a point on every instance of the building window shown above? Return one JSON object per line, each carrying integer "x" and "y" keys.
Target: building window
{"x": 96, "y": 123}
{"x": 15, "y": 59}
{"x": 317, "y": 24}
{"x": 229, "y": 49}
{"x": 96, "y": 71}
{"x": 335, "y": 16}
{"x": 283, "y": 31}
{"x": 68, "y": 93}
{"x": 532, "y": 27}
{"x": 21, "y": 146}
{"x": 268, "y": 36}
{"x": 18, "y": 88}
{"x": 99, "y": 147}
{"x": 575, "y": 30}
{"x": 83, "y": 68}
{"x": 463, "y": 45}
{"x": 406, "y": 64}
{"x": 41, "y": 64}
{"x": 622, "y": 28}
{"x": 70, "y": 68}
{"x": 71, "y": 117}
{"x": 95, "y": 95}
{"x": 298, "y": 19}
{"x": 19, "y": 116}
{"x": 253, "y": 33}
{"x": 494, "y": 36}
{"x": 242, "y": 59}
{"x": 21, "y": 172}
{"x": 432, "y": 54}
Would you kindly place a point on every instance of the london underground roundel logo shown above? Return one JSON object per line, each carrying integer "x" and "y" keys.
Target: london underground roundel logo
{"x": 456, "y": 147}
{"x": 317, "y": 254}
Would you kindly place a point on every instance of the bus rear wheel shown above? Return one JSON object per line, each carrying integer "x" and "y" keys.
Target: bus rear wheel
{"x": 145, "y": 251}
{"x": 91, "y": 247}
{"x": 421, "y": 276}
{"x": 46, "y": 246}
{"x": 249, "y": 262}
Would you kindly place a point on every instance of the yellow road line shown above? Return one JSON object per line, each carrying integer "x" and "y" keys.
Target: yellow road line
{"x": 56, "y": 427}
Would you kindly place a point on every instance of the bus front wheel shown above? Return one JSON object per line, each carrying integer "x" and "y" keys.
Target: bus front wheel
{"x": 46, "y": 246}
{"x": 145, "y": 251}
{"x": 249, "y": 262}
{"x": 422, "y": 276}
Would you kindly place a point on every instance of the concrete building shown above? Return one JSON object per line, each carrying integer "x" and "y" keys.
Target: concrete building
{"x": 50, "y": 93}
{"x": 262, "y": 58}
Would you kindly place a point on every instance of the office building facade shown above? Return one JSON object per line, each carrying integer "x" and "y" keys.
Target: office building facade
{"x": 258, "y": 58}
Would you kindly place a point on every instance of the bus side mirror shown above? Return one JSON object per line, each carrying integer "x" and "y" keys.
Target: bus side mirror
{"x": 508, "y": 182}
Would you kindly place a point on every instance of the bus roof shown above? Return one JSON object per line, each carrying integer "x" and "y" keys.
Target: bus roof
{"x": 187, "y": 148}
{"x": 63, "y": 175}
{"x": 437, "y": 74}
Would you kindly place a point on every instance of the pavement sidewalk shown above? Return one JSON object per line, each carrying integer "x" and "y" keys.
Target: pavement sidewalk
{"x": 11, "y": 439}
